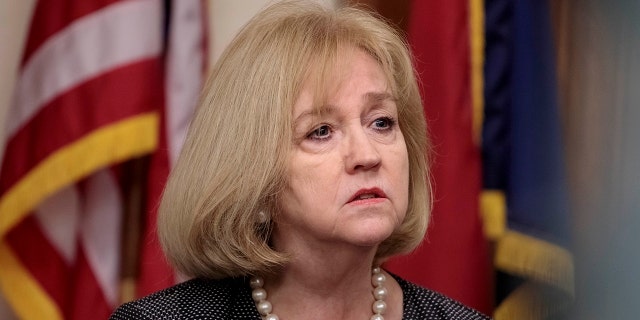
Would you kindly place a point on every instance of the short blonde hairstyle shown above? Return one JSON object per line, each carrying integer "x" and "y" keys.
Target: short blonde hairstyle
{"x": 234, "y": 160}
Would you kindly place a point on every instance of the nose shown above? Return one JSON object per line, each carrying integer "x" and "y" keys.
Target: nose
{"x": 361, "y": 152}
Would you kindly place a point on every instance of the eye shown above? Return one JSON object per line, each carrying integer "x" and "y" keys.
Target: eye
{"x": 321, "y": 133}
{"x": 384, "y": 123}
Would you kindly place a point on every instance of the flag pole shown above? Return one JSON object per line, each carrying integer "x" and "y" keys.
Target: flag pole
{"x": 134, "y": 174}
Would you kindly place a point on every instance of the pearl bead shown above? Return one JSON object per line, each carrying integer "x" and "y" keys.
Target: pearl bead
{"x": 378, "y": 279}
{"x": 380, "y": 293}
{"x": 376, "y": 270}
{"x": 263, "y": 217}
{"x": 256, "y": 282}
{"x": 259, "y": 294}
{"x": 274, "y": 317}
{"x": 377, "y": 317}
{"x": 379, "y": 307}
{"x": 264, "y": 307}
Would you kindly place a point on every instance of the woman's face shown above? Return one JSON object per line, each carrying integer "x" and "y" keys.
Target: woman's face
{"x": 348, "y": 172}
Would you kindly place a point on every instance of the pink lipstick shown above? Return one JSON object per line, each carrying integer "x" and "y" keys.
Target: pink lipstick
{"x": 369, "y": 195}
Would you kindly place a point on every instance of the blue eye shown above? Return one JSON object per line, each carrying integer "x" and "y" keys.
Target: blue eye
{"x": 383, "y": 123}
{"x": 320, "y": 133}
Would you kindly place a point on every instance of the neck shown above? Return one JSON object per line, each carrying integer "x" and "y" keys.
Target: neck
{"x": 315, "y": 299}
{"x": 317, "y": 264}
{"x": 325, "y": 281}
{"x": 324, "y": 278}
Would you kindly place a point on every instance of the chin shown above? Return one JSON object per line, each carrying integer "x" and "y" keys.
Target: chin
{"x": 372, "y": 236}
{"x": 369, "y": 230}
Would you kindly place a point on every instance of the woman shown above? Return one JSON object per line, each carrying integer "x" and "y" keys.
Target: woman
{"x": 303, "y": 170}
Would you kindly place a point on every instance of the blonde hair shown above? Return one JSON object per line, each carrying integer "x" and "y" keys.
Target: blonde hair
{"x": 234, "y": 160}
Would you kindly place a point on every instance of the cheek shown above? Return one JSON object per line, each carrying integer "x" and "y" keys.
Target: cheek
{"x": 403, "y": 177}
{"x": 310, "y": 182}
{"x": 314, "y": 172}
{"x": 402, "y": 158}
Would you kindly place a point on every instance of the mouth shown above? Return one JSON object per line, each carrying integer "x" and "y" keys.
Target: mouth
{"x": 367, "y": 194}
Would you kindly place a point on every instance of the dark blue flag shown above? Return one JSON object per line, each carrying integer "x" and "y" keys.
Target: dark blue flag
{"x": 526, "y": 198}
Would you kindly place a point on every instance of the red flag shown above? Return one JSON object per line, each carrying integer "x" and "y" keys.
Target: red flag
{"x": 86, "y": 99}
{"x": 186, "y": 59}
{"x": 454, "y": 258}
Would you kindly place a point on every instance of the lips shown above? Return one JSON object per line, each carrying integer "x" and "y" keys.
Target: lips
{"x": 367, "y": 194}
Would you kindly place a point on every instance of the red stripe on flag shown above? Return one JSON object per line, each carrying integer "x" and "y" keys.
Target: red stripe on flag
{"x": 41, "y": 258}
{"x": 92, "y": 302}
{"x": 113, "y": 96}
{"x": 65, "y": 284}
{"x": 51, "y": 16}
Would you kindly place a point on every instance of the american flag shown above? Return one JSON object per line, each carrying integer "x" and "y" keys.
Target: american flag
{"x": 101, "y": 82}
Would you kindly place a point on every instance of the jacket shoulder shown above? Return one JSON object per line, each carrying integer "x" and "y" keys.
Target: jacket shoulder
{"x": 199, "y": 298}
{"x": 422, "y": 303}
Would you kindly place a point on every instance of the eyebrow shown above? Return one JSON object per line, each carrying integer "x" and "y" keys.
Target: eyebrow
{"x": 326, "y": 109}
{"x": 371, "y": 97}
{"x": 378, "y": 96}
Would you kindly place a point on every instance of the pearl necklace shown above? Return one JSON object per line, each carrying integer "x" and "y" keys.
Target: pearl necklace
{"x": 259, "y": 295}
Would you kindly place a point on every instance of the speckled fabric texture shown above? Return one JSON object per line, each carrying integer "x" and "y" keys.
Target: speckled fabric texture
{"x": 231, "y": 299}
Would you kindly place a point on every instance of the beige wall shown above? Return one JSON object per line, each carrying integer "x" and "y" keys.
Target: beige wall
{"x": 14, "y": 16}
{"x": 226, "y": 18}
{"x": 13, "y": 26}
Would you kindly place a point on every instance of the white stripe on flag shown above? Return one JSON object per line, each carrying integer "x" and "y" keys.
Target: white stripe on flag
{"x": 185, "y": 70}
{"x": 97, "y": 227}
{"x": 59, "y": 217}
{"x": 100, "y": 231}
{"x": 114, "y": 36}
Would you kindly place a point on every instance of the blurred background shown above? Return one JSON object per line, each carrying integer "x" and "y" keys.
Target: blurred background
{"x": 531, "y": 105}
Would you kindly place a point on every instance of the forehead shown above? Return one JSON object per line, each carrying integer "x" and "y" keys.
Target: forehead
{"x": 351, "y": 71}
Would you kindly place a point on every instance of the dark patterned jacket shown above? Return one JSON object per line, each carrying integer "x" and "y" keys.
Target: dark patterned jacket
{"x": 231, "y": 299}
